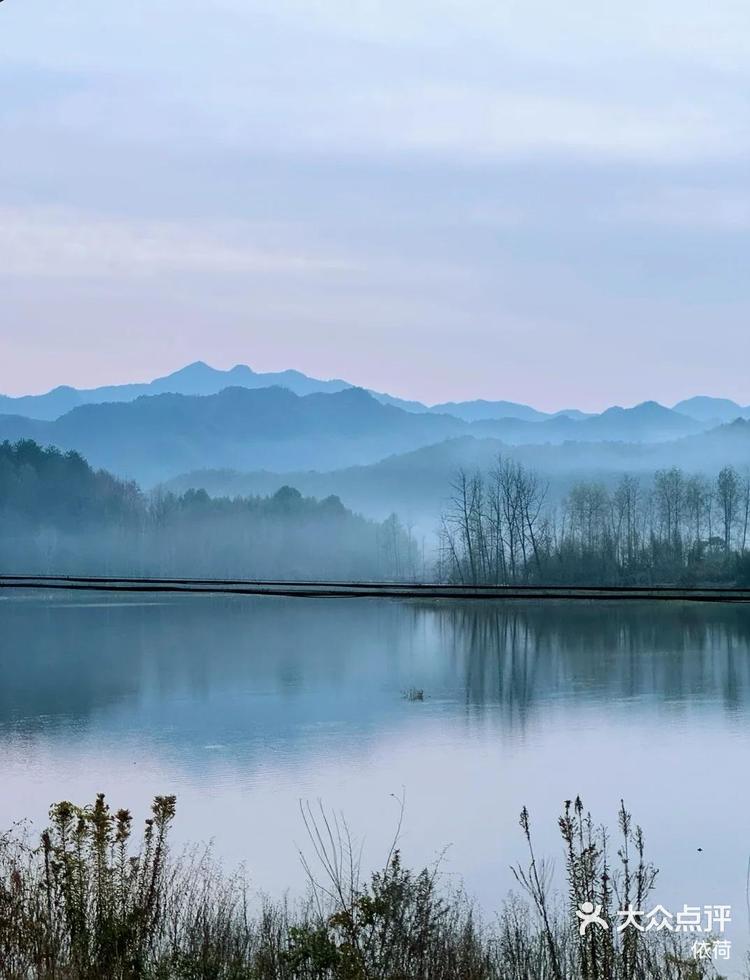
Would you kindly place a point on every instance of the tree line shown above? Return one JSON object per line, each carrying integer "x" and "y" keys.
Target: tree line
{"x": 500, "y": 527}
{"x": 58, "y": 515}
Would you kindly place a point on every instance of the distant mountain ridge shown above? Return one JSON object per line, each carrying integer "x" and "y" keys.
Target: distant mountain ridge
{"x": 480, "y": 410}
{"x": 417, "y": 484}
{"x": 156, "y": 437}
{"x": 706, "y": 409}
{"x": 200, "y": 378}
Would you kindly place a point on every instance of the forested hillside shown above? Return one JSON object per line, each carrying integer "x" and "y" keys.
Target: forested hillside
{"x": 59, "y": 515}
{"x": 416, "y": 484}
{"x": 500, "y": 525}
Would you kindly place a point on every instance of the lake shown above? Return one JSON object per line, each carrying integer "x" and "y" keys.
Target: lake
{"x": 244, "y": 707}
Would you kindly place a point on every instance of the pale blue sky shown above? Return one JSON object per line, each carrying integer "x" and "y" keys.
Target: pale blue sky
{"x": 525, "y": 200}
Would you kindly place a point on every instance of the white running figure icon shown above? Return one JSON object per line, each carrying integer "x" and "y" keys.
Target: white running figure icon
{"x": 589, "y": 916}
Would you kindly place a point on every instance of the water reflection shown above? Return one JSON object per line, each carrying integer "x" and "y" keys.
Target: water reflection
{"x": 275, "y": 665}
{"x": 520, "y": 655}
{"x": 244, "y": 706}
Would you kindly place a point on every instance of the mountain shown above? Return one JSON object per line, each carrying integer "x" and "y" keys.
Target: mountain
{"x": 707, "y": 409}
{"x": 413, "y": 484}
{"x": 407, "y": 404}
{"x": 480, "y": 410}
{"x": 474, "y": 411}
{"x": 647, "y": 422}
{"x": 573, "y": 413}
{"x": 200, "y": 378}
{"x": 155, "y": 437}
{"x": 194, "y": 379}
{"x": 416, "y": 484}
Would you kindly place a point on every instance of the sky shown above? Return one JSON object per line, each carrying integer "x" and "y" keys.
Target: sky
{"x": 517, "y": 199}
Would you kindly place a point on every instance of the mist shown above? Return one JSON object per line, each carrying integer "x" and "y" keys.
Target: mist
{"x": 59, "y": 516}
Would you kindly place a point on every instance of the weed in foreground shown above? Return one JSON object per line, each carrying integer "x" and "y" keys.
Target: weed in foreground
{"x": 88, "y": 902}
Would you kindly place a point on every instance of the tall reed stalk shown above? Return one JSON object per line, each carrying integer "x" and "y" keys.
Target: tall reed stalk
{"x": 88, "y": 902}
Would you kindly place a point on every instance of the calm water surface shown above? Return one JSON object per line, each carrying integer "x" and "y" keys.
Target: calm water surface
{"x": 243, "y": 707}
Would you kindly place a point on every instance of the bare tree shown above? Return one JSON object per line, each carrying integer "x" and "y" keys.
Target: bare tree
{"x": 728, "y": 497}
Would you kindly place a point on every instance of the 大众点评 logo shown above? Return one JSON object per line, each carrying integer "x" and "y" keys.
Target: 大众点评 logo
{"x": 706, "y": 919}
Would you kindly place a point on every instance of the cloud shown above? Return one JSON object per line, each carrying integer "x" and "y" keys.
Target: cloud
{"x": 472, "y": 81}
{"x": 585, "y": 33}
{"x": 695, "y": 208}
{"x": 486, "y": 122}
{"x": 58, "y": 243}
{"x": 340, "y": 182}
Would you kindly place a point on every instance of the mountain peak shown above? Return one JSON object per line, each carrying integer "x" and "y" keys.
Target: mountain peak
{"x": 651, "y": 407}
{"x": 647, "y": 409}
{"x": 195, "y": 367}
{"x": 242, "y": 369}
{"x": 706, "y": 408}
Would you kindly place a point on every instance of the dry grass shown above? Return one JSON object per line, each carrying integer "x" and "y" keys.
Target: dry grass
{"x": 86, "y": 902}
